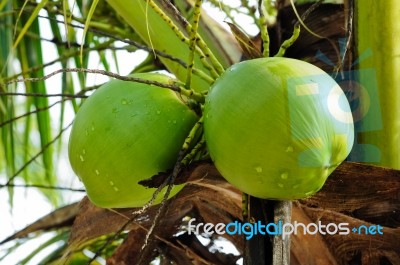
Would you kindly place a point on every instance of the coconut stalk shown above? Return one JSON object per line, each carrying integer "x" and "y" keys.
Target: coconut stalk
{"x": 377, "y": 30}
{"x": 264, "y": 249}
{"x": 159, "y": 35}
{"x": 281, "y": 245}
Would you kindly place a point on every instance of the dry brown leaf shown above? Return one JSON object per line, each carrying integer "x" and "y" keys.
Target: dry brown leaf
{"x": 61, "y": 217}
{"x": 209, "y": 198}
{"x": 367, "y": 192}
{"x": 249, "y": 48}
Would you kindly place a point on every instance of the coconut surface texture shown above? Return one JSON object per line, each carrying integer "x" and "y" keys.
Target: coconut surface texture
{"x": 277, "y": 127}
{"x": 126, "y": 132}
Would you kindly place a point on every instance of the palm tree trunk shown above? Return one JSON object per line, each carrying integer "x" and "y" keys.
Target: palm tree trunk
{"x": 377, "y": 40}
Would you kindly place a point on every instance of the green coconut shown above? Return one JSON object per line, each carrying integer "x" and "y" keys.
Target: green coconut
{"x": 124, "y": 133}
{"x": 277, "y": 127}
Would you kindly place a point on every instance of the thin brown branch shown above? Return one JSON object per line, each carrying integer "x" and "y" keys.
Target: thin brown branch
{"x": 54, "y": 40}
{"x": 30, "y": 113}
{"x": 126, "y": 41}
{"x": 66, "y": 97}
{"x": 139, "y": 46}
{"x": 100, "y": 47}
{"x": 349, "y": 28}
{"x": 42, "y": 187}
{"x": 27, "y": 163}
{"x": 93, "y": 71}
{"x": 309, "y": 11}
{"x": 41, "y": 95}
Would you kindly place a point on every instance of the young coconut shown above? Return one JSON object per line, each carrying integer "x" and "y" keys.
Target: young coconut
{"x": 277, "y": 127}
{"x": 124, "y": 133}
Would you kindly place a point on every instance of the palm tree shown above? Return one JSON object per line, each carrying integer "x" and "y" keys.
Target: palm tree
{"x": 41, "y": 92}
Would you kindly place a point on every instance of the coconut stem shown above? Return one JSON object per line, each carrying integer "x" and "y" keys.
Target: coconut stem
{"x": 192, "y": 42}
{"x": 185, "y": 39}
{"x": 289, "y": 42}
{"x": 280, "y": 244}
{"x": 263, "y": 29}
{"x": 265, "y": 249}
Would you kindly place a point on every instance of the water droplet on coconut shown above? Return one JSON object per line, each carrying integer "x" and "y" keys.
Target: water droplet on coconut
{"x": 84, "y": 151}
{"x": 280, "y": 185}
{"x": 116, "y": 189}
{"x": 81, "y": 158}
{"x": 284, "y": 175}
{"x": 258, "y": 169}
{"x": 97, "y": 172}
{"x": 158, "y": 112}
{"x": 289, "y": 149}
{"x": 124, "y": 101}
{"x": 115, "y": 110}
{"x": 295, "y": 186}
{"x": 111, "y": 183}
{"x": 174, "y": 121}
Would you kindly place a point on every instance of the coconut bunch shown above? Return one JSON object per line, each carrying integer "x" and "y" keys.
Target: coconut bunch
{"x": 275, "y": 128}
